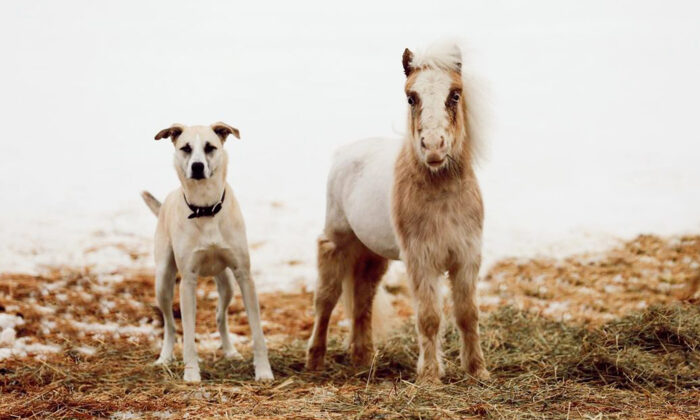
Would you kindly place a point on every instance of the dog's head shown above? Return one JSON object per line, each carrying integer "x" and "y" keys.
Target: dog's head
{"x": 199, "y": 152}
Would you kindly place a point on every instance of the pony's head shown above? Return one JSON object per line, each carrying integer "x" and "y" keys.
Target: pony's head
{"x": 437, "y": 116}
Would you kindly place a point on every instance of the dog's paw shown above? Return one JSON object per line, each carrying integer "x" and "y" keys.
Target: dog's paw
{"x": 263, "y": 372}
{"x": 192, "y": 374}
{"x": 164, "y": 361}
{"x": 232, "y": 354}
{"x": 264, "y": 375}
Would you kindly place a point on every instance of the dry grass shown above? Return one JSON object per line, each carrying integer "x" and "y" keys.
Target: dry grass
{"x": 612, "y": 361}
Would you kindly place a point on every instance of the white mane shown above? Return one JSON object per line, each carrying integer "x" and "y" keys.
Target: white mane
{"x": 445, "y": 55}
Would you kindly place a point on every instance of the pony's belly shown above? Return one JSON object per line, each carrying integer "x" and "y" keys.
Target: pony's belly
{"x": 379, "y": 239}
{"x": 369, "y": 216}
{"x": 368, "y": 202}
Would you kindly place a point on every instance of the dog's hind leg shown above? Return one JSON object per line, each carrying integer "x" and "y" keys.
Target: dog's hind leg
{"x": 241, "y": 272}
{"x": 165, "y": 287}
{"x": 188, "y": 308}
{"x": 224, "y": 284}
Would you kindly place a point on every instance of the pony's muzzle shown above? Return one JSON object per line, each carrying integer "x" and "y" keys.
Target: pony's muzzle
{"x": 435, "y": 160}
{"x": 434, "y": 150}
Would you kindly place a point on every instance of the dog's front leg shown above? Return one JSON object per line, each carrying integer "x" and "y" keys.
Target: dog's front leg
{"x": 263, "y": 372}
{"x": 188, "y": 308}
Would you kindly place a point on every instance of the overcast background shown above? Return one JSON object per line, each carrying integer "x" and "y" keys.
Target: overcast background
{"x": 593, "y": 111}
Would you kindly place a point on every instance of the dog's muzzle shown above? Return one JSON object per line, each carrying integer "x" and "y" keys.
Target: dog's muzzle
{"x": 197, "y": 170}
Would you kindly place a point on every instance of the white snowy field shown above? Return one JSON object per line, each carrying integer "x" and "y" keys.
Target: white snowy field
{"x": 592, "y": 106}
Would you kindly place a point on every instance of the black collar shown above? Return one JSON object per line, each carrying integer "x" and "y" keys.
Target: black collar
{"x": 205, "y": 211}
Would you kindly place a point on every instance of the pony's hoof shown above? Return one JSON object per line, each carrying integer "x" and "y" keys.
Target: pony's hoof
{"x": 429, "y": 374}
{"x": 314, "y": 364}
{"x": 428, "y": 380}
{"x": 482, "y": 374}
{"x": 315, "y": 359}
{"x": 361, "y": 356}
{"x": 192, "y": 374}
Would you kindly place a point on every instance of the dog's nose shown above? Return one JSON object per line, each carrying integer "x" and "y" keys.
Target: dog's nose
{"x": 197, "y": 170}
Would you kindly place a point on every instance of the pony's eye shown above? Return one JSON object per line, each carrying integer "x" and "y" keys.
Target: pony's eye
{"x": 209, "y": 148}
{"x": 456, "y": 97}
{"x": 186, "y": 148}
{"x": 411, "y": 101}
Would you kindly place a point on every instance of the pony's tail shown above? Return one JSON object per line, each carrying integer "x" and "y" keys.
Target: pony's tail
{"x": 151, "y": 202}
{"x": 384, "y": 317}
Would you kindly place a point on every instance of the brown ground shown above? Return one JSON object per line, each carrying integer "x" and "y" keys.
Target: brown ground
{"x": 592, "y": 335}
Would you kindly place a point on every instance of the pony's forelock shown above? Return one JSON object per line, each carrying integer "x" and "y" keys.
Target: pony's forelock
{"x": 444, "y": 55}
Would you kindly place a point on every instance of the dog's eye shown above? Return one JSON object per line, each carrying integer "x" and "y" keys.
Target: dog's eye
{"x": 209, "y": 148}
{"x": 186, "y": 148}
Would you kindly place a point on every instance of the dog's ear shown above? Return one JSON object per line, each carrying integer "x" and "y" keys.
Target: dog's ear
{"x": 223, "y": 130}
{"x": 173, "y": 131}
{"x": 406, "y": 61}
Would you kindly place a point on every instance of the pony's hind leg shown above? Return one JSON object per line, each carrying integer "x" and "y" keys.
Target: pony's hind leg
{"x": 333, "y": 265}
{"x": 368, "y": 273}
{"x": 463, "y": 278}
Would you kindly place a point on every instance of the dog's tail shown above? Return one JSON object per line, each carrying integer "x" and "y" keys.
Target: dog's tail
{"x": 151, "y": 202}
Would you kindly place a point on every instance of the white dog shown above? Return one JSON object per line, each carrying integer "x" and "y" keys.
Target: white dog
{"x": 201, "y": 233}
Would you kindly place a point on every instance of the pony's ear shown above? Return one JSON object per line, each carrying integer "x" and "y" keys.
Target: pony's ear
{"x": 223, "y": 130}
{"x": 458, "y": 55}
{"x": 172, "y": 132}
{"x": 407, "y": 58}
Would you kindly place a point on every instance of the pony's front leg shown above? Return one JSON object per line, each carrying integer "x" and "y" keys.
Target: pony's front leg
{"x": 425, "y": 284}
{"x": 188, "y": 308}
{"x": 463, "y": 278}
{"x": 263, "y": 372}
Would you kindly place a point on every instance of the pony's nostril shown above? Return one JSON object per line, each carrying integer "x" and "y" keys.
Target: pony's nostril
{"x": 442, "y": 142}
{"x": 422, "y": 142}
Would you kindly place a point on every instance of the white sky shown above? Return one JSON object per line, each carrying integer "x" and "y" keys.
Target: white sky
{"x": 593, "y": 111}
